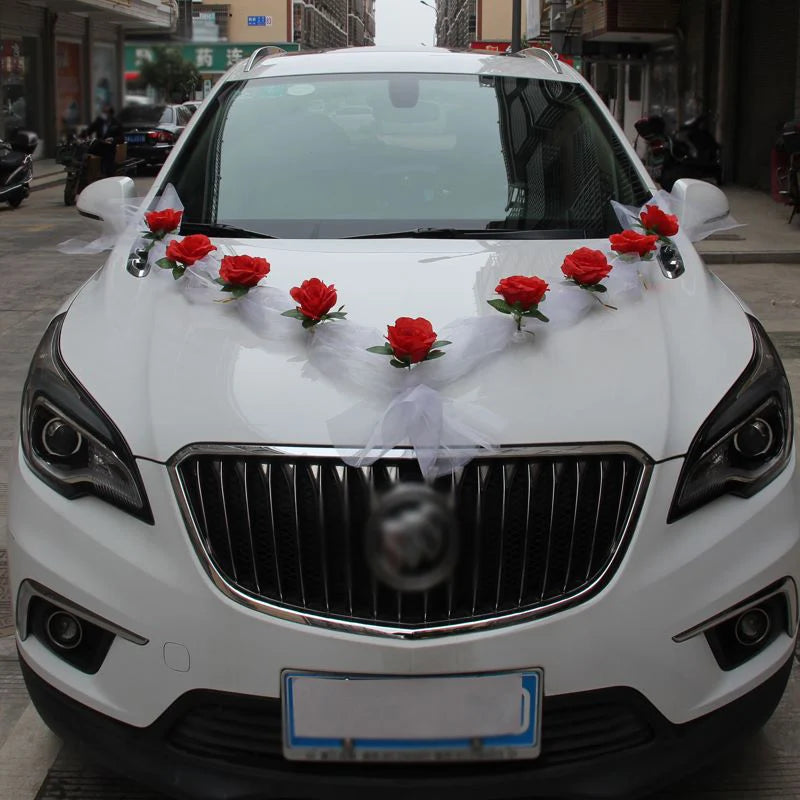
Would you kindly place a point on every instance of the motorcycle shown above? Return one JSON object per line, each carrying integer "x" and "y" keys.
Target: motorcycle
{"x": 83, "y": 168}
{"x": 786, "y": 167}
{"x": 16, "y": 167}
{"x": 691, "y": 152}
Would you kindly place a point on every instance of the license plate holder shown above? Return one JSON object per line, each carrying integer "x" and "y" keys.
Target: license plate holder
{"x": 337, "y": 717}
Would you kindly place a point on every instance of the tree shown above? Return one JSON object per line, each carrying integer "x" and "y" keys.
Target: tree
{"x": 170, "y": 74}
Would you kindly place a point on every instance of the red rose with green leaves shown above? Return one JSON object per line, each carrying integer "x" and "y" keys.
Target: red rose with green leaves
{"x": 190, "y": 249}
{"x": 242, "y": 272}
{"x": 655, "y": 221}
{"x": 163, "y": 222}
{"x": 632, "y": 242}
{"x": 521, "y": 297}
{"x": 316, "y": 300}
{"x": 410, "y": 341}
{"x": 182, "y": 253}
{"x": 519, "y": 290}
{"x": 586, "y": 267}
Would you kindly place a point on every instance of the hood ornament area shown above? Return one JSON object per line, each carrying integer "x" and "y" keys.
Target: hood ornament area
{"x": 411, "y": 538}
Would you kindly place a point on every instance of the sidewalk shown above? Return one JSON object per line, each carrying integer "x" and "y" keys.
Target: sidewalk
{"x": 767, "y": 238}
{"x": 47, "y": 173}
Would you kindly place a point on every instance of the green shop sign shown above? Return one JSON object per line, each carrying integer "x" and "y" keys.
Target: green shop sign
{"x": 206, "y": 56}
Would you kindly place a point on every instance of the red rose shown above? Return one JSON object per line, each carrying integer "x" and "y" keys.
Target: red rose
{"x": 189, "y": 249}
{"x": 163, "y": 221}
{"x": 243, "y": 270}
{"x": 632, "y": 242}
{"x": 586, "y": 267}
{"x": 654, "y": 220}
{"x": 519, "y": 289}
{"x": 411, "y": 339}
{"x": 315, "y": 298}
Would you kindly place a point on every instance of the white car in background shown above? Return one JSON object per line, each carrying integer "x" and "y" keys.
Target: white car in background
{"x": 263, "y": 549}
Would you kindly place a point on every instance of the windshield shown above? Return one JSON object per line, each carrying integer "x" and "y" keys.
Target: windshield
{"x": 145, "y": 115}
{"x": 352, "y": 155}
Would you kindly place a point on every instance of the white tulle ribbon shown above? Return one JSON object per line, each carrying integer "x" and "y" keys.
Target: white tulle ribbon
{"x": 121, "y": 218}
{"x": 629, "y": 217}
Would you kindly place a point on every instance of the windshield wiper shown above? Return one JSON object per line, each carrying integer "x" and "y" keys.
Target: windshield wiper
{"x": 477, "y": 233}
{"x": 221, "y": 229}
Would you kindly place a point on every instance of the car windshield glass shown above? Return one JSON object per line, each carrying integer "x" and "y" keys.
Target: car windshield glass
{"x": 142, "y": 115}
{"x": 352, "y": 155}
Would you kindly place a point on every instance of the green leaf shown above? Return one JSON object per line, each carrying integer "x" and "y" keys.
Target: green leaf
{"x": 220, "y": 281}
{"x": 336, "y": 315}
{"x": 441, "y": 343}
{"x": 435, "y": 354}
{"x": 177, "y": 272}
{"x": 239, "y": 291}
{"x": 399, "y": 364}
{"x": 293, "y": 313}
{"x": 309, "y": 323}
{"x": 166, "y": 263}
{"x": 150, "y": 235}
{"x": 381, "y": 350}
{"x": 501, "y": 306}
{"x": 538, "y": 315}
{"x": 593, "y": 287}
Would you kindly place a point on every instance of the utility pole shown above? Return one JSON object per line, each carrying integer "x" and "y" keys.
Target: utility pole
{"x": 516, "y": 26}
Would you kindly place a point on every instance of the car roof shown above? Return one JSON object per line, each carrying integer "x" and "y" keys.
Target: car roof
{"x": 386, "y": 59}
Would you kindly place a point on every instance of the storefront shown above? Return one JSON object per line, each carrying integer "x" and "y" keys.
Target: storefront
{"x": 60, "y": 64}
{"x": 212, "y": 59}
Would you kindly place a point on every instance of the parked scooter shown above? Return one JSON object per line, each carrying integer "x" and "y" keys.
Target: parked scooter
{"x": 84, "y": 168}
{"x": 16, "y": 167}
{"x": 692, "y": 152}
{"x": 786, "y": 167}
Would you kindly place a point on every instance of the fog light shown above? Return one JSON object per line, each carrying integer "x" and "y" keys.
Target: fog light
{"x": 752, "y": 627}
{"x": 60, "y": 439}
{"x": 64, "y": 630}
{"x": 754, "y": 439}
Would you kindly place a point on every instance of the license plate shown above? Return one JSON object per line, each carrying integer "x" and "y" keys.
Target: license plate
{"x": 134, "y": 138}
{"x": 332, "y": 717}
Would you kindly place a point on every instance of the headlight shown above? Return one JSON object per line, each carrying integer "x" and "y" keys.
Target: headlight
{"x": 746, "y": 441}
{"x": 69, "y": 442}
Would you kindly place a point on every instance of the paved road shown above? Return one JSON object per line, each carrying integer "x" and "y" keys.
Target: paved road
{"x": 36, "y": 278}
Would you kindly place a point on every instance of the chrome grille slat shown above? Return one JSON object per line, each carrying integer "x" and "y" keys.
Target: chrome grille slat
{"x": 286, "y": 532}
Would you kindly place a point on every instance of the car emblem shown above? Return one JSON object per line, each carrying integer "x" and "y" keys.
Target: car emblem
{"x": 411, "y": 538}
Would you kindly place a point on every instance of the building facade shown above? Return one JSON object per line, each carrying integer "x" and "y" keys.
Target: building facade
{"x": 311, "y": 24}
{"x": 61, "y": 60}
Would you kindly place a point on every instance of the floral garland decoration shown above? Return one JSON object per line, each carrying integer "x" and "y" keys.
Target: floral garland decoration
{"x": 315, "y": 300}
{"x": 239, "y": 274}
{"x": 586, "y": 268}
{"x": 410, "y": 341}
{"x": 521, "y": 296}
{"x": 183, "y": 253}
{"x": 160, "y": 224}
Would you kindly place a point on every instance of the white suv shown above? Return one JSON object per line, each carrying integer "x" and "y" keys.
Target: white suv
{"x": 537, "y": 538}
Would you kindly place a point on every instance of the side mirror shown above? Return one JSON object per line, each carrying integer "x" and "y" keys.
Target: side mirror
{"x": 699, "y": 206}
{"x": 106, "y": 199}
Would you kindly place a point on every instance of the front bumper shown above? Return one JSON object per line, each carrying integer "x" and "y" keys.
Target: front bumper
{"x": 148, "y": 581}
{"x": 186, "y": 755}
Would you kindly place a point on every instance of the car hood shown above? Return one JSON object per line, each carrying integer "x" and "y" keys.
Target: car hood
{"x": 171, "y": 372}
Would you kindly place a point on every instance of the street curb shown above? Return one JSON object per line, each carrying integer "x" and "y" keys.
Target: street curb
{"x": 753, "y": 257}
{"x": 47, "y": 181}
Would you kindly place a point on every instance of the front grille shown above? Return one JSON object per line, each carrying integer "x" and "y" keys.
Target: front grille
{"x": 288, "y": 530}
{"x": 245, "y": 730}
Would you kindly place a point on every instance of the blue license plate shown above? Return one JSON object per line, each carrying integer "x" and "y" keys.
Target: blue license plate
{"x": 334, "y": 717}
{"x": 135, "y": 138}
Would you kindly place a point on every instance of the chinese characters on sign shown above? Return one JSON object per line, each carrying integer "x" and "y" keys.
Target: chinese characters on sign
{"x": 207, "y": 57}
{"x": 259, "y": 21}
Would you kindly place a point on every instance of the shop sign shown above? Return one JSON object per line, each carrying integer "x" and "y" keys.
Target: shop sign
{"x": 206, "y": 56}
{"x": 497, "y": 47}
{"x": 255, "y": 21}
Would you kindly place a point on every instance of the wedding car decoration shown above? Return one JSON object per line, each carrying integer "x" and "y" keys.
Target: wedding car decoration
{"x": 410, "y": 341}
{"x": 586, "y": 268}
{"x": 183, "y": 253}
{"x": 634, "y": 245}
{"x": 160, "y": 224}
{"x": 315, "y": 300}
{"x": 521, "y": 296}
{"x": 239, "y": 274}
